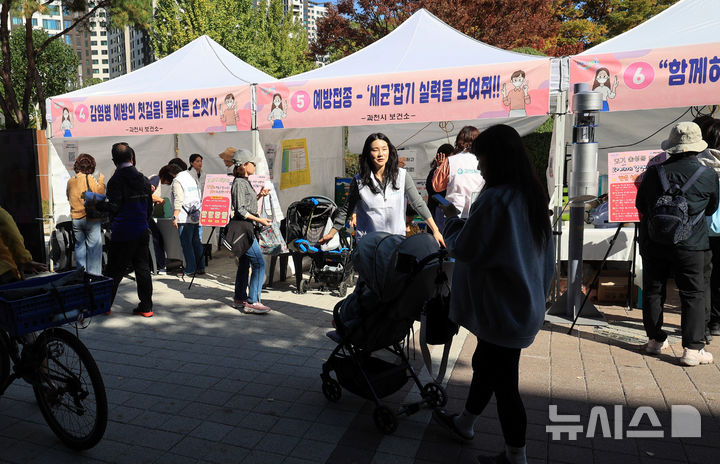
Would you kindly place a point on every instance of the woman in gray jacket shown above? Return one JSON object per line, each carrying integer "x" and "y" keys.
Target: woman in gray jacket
{"x": 504, "y": 264}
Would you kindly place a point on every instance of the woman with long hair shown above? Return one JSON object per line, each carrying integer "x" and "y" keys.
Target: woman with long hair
{"x": 88, "y": 233}
{"x": 458, "y": 175}
{"x": 503, "y": 268}
{"x": 380, "y": 192}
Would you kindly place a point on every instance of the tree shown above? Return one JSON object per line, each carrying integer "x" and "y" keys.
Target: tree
{"x": 349, "y": 26}
{"x": 14, "y": 104}
{"x": 57, "y": 66}
{"x": 261, "y": 35}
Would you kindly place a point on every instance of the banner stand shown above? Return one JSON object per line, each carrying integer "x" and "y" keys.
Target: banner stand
{"x": 202, "y": 256}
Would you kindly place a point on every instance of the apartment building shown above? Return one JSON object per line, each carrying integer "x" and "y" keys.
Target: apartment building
{"x": 307, "y": 12}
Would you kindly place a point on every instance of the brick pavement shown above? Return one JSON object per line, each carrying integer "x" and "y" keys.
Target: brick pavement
{"x": 200, "y": 382}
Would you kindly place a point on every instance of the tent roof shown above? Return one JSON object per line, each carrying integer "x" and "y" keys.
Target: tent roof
{"x": 422, "y": 42}
{"x": 687, "y": 22}
{"x": 201, "y": 64}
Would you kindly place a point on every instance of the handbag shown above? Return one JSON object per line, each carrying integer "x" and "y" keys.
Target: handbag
{"x": 193, "y": 211}
{"x": 91, "y": 198}
{"x": 270, "y": 238}
{"x": 238, "y": 236}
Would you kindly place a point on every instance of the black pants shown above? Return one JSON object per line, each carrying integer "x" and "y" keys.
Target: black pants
{"x": 136, "y": 252}
{"x": 715, "y": 281}
{"x": 158, "y": 244}
{"x": 688, "y": 269}
{"x": 495, "y": 370}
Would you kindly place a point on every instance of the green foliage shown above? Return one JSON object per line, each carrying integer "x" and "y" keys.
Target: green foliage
{"x": 528, "y": 51}
{"x": 91, "y": 81}
{"x": 537, "y": 145}
{"x": 56, "y": 65}
{"x": 260, "y": 35}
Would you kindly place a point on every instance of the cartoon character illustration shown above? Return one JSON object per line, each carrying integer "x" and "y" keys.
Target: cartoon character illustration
{"x": 518, "y": 96}
{"x": 66, "y": 123}
{"x": 277, "y": 111}
{"x": 600, "y": 84}
{"x": 229, "y": 114}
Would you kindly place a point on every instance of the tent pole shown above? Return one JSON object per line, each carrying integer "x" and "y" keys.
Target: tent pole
{"x": 253, "y": 119}
{"x": 51, "y": 199}
{"x": 558, "y": 174}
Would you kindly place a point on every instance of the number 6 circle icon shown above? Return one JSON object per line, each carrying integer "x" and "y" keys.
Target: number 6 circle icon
{"x": 638, "y": 75}
{"x": 300, "y": 101}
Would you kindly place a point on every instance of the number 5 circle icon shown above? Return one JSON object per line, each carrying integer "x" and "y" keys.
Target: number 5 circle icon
{"x": 300, "y": 101}
{"x": 638, "y": 75}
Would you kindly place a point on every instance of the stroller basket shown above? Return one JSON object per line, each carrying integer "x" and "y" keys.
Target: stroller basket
{"x": 386, "y": 378}
{"x": 52, "y": 301}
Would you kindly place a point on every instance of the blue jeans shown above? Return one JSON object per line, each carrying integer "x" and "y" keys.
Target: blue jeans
{"x": 88, "y": 245}
{"x": 253, "y": 257}
{"x": 192, "y": 247}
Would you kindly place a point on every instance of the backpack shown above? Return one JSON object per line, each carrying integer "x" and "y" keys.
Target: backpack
{"x": 669, "y": 221}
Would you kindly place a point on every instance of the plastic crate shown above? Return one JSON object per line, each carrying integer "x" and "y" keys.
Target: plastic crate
{"x": 56, "y": 306}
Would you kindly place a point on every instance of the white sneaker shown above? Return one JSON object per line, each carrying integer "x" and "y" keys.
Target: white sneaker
{"x": 695, "y": 357}
{"x": 654, "y": 347}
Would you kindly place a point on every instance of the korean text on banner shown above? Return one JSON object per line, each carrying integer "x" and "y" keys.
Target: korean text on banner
{"x": 295, "y": 163}
{"x": 474, "y": 92}
{"x": 624, "y": 171}
{"x": 644, "y": 79}
{"x": 215, "y": 211}
{"x": 208, "y": 110}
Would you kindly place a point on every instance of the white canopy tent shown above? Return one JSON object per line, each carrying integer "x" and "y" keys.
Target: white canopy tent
{"x": 687, "y": 22}
{"x": 421, "y": 43}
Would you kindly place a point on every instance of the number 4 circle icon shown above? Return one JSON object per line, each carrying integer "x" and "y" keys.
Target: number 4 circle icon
{"x": 638, "y": 75}
{"x": 82, "y": 113}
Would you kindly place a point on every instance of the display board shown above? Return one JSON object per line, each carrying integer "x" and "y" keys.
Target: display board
{"x": 624, "y": 175}
{"x": 215, "y": 210}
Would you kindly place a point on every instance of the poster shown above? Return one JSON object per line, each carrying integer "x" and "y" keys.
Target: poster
{"x": 270, "y": 155}
{"x": 499, "y": 90}
{"x": 295, "y": 169}
{"x": 410, "y": 160}
{"x": 215, "y": 210}
{"x": 224, "y": 109}
{"x": 624, "y": 171}
{"x": 70, "y": 152}
{"x": 643, "y": 79}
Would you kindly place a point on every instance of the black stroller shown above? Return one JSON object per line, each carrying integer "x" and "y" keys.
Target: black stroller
{"x": 307, "y": 220}
{"x": 397, "y": 276}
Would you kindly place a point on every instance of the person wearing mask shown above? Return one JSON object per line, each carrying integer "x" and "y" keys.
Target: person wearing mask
{"x": 196, "y": 162}
{"x": 684, "y": 259}
{"x": 129, "y": 202}
{"x": 87, "y": 231}
{"x": 379, "y": 194}
{"x": 245, "y": 208}
{"x": 458, "y": 174}
{"x": 186, "y": 200}
{"x": 504, "y": 263}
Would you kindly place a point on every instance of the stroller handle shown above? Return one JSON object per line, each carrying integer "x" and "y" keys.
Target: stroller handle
{"x": 408, "y": 263}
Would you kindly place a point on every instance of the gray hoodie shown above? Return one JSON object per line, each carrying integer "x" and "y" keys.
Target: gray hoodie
{"x": 711, "y": 159}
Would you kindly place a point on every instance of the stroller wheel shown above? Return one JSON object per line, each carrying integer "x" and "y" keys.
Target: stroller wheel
{"x": 434, "y": 394}
{"x": 385, "y": 420}
{"x": 331, "y": 389}
{"x": 342, "y": 289}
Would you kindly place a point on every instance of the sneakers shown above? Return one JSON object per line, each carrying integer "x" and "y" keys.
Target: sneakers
{"x": 446, "y": 419}
{"x": 695, "y": 357}
{"x": 239, "y": 304}
{"x": 255, "y": 308}
{"x": 654, "y": 347}
{"x": 143, "y": 312}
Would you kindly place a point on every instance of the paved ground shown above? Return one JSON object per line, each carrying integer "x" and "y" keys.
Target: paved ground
{"x": 200, "y": 382}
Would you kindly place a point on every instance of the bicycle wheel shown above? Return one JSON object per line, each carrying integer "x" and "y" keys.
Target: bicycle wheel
{"x": 69, "y": 389}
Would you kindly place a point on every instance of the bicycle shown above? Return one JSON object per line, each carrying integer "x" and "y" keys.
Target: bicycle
{"x": 66, "y": 381}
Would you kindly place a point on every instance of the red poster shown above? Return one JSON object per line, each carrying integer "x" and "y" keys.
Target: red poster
{"x": 215, "y": 211}
{"x": 624, "y": 170}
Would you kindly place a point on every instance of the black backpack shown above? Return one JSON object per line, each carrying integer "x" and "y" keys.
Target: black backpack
{"x": 669, "y": 220}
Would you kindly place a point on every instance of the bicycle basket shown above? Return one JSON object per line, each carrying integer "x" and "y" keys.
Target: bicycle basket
{"x": 51, "y": 301}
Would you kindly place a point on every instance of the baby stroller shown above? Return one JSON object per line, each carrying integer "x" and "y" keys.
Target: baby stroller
{"x": 308, "y": 220}
{"x": 397, "y": 276}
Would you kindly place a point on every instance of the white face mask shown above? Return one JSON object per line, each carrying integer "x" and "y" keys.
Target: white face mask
{"x": 602, "y": 80}
{"x": 517, "y": 82}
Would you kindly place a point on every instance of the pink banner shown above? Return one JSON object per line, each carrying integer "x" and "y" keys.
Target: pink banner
{"x": 644, "y": 79}
{"x": 206, "y": 110}
{"x": 477, "y": 92}
{"x": 215, "y": 210}
{"x": 625, "y": 172}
